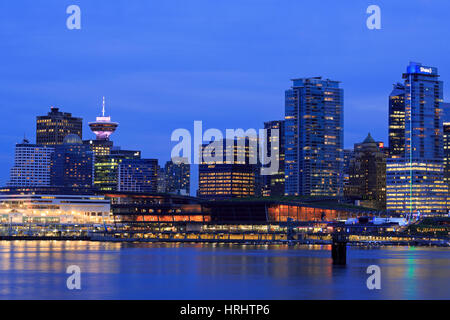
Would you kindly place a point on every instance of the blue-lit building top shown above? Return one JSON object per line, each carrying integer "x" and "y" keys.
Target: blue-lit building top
{"x": 314, "y": 122}
{"x": 423, "y": 112}
{"x": 415, "y": 181}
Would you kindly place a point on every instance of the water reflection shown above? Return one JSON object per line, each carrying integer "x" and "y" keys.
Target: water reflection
{"x": 30, "y": 270}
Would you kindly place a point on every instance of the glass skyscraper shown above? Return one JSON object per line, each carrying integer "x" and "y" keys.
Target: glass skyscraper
{"x": 274, "y": 184}
{"x": 415, "y": 181}
{"x": 314, "y": 138}
{"x": 397, "y": 121}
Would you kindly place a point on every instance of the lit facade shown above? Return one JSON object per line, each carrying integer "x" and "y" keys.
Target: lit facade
{"x": 446, "y": 142}
{"x": 106, "y": 168}
{"x": 427, "y": 193}
{"x": 71, "y": 164}
{"x": 367, "y": 174}
{"x": 222, "y": 180}
{"x": 138, "y": 175}
{"x": 397, "y": 121}
{"x": 31, "y": 165}
{"x": 52, "y": 128}
{"x": 274, "y": 184}
{"x": 415, "y": 181}
{"x": 178, "y": 176}
{"x": 71, "y": 209}
{"x": 314, "y": 122}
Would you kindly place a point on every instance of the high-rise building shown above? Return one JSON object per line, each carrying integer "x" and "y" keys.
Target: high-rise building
{"x": 415, "y": 182}
{"x": 314, "y": 138}
{"x": 55, "y": 126}
{"x": 31, "y": 165}
{"x": 447, "y": 154}
{"x": 138, "y": 175}
{"x": 367, "y": 174}
{"x": 178, "y": 176}
{"x": 228, "y": 179}
{"x": 162, "y": 181}
{"x": 274, "y": 184}
{"x": 397, "y": 121}
{"x": 106, "y": 168}
{"x": 71, "y": 163}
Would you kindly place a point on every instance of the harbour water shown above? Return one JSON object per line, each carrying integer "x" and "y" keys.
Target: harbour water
{"x": 37, "y": 270}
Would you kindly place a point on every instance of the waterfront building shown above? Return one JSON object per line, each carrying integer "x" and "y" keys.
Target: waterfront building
{"x": 52, "y": 128}
{"x": 229, "y": 179}
{"x": 183, "y": 213}
{"x": 31, "y": 165}
{"x": 71, "y": 163}
{"x": 138, "y": 175}
{"x": 415, "y": 181}
{"x": 178, "y": 176}
{"x": 274, "y": 184}
{"x": 54, "y": 208}
{"x": 314, "y": 138}
{"x": 106, "y": 168}
{"x": 367, "y": 174}
{"x": 397, "y": 121}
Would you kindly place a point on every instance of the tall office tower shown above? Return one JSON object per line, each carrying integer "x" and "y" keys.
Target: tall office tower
{"x": 446, "y": 145}
{"x": 314, "y": 138}
{"x": 71, "y": 163}
{"x": 138, "y": 175}
{"x": 31, "y": 165}
{"x": 220, "y": 180}
{"x": 367, "y": 174}
{"x": 274, "y": 184}
{"x": 106, "y": 168}
{"x": 178, "y": 176}
{"x": 397, "y": 121}
{"x": 447, "y": 154}
{"x": 415, "y": 182}
{"x": 55, "y": 126}
{"x": 162, "y": 181}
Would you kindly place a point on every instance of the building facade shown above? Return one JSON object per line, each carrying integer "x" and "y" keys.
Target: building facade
{"x": 446, "y": 142}
{"x": 52, "y": 128}
{"x": 415, "y": 181}
{"x": 314, "y": 138}
{"x": 274, "y": 184}
{"x": 31, "y": 165}
{"x": 397, "y": 121}
{"x": 51, "y": 208}
{"x": 72, "y": 164}
{"x": 138, "y": 175}
{"x": 106, "y": 168}
{"x": 367, "y": 174}
{"x": 225, "y": 179}
{"x": 178, "y": 176}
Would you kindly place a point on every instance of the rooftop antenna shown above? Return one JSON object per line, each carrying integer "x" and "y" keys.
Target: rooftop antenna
{"x": 103, "y": 110}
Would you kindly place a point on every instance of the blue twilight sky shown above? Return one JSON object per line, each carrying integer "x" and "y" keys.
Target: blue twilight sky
{"x": 164, "y": 64}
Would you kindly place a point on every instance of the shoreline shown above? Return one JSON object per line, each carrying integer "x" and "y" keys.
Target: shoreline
{"x": 415, "y": 243}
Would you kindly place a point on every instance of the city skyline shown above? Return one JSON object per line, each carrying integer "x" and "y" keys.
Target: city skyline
{"x": 170, "y": 87}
